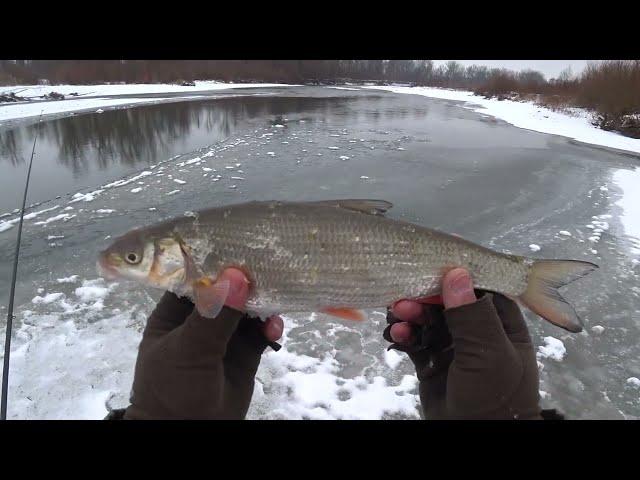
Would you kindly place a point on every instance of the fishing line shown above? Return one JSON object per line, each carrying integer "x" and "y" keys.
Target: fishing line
{"x": 7, "y": 341}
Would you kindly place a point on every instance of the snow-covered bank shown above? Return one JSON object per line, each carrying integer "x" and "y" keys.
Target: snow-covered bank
{"x": 629, "y": 182}
{"x": 91, "y": 96}
{"x": 529, "y": 116}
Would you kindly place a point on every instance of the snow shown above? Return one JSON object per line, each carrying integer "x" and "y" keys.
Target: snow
{"x": 565, "y": 233}
{"x": 364, "y": 177}
{"x": 597, "y": 329}
{"x": 173, "y": 192}
{"x": 6, "y": 225}
{"x": 344, "y": 157}
{"x": 97, "y": 93}
{"x": 629, "y": 182}
{"x": 136, "y": 190}
{"x": 529, "y": 116}
{"x": 534, "y": 248}
{"x": 72, "y": 359}
{"x": 105, "y": 210}
{"x": 392, "y": 358}
{"x": 177, "y": 180}
{"x": 62, "y": 216}
{"x": 122, "y": 182}
{"x": 553, "y": 349}
{"x": 87, "y": 197}
{"x": 48, "y": 298}
{"x": 71, "y": 279}
{"x": 633, "y": 381}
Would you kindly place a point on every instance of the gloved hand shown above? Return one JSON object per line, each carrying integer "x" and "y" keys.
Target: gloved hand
{"x": 192, "y": 367}
{"x": 473, "y": 356}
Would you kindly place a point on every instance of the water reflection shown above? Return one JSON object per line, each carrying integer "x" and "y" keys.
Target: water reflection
{"x": 85, "y": 149}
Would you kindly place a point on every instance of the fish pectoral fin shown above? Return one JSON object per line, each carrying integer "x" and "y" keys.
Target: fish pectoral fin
{"x": 370, "y": 207}
{"x": 345, "y": 313}
{"x": 209, "y": 296}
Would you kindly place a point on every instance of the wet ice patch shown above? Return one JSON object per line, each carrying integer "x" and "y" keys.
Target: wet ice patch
{"x": 553, "y": 349}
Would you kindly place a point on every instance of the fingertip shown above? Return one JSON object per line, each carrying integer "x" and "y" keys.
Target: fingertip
{"x": 238, "y": 287}
{"x": 401, "y": 333}
{"x": 273, "y": 328}
{"x": 457, "y": 288}
{"x": 408, "y": 311}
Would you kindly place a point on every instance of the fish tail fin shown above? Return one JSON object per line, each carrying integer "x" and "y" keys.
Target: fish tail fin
{"x": 542, "y": 296}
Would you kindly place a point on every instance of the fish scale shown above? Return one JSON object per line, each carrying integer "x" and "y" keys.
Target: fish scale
{"x": 303, "y": 257}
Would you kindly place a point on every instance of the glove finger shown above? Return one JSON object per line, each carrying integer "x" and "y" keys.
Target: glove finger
{"x": 170, "y": 312}
{"x": 512, "y": 319}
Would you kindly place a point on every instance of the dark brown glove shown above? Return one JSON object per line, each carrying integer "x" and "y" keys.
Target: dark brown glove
{"x": 192, "y": 367}
{"x": 475, "y": 361}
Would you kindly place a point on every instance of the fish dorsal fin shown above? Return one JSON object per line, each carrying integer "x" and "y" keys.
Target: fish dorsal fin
{"x": 371, "y": 207}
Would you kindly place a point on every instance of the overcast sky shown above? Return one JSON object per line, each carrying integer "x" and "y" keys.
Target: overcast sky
{"x": 550, "y": 68}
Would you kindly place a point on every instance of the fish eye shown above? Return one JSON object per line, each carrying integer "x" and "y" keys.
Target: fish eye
{"x": 132, "y": 257}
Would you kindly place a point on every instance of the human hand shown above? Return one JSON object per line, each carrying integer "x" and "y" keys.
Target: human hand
{"x": 473, "y": 356}
{"x": 193, "y": 367}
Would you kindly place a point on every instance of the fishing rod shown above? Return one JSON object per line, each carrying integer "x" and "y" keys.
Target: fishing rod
{"x": 7, "y": 341}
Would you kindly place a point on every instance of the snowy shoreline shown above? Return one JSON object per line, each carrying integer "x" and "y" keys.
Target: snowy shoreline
{"x": 93, "y": 96}
{"x": 533, "y": 117}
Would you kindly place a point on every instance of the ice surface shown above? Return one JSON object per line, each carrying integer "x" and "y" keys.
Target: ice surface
{"x": 576, "y": 125}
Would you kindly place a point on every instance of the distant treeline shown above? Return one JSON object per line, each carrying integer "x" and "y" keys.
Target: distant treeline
{"x": 420, "y": 72}
{"x": 610, "y": 88}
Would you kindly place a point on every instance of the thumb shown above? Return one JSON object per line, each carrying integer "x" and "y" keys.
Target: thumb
{"x": 457, "y": 288}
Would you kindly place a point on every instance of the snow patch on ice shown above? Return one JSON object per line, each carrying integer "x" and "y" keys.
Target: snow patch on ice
{"x": 71, "y": 279}
{"x": 629, "y": 182}
{"x": 392, "y": 358}
{"x": 534, "y": 248}
{"x": 553, "y": 349}
{"x": 48, "y": 298}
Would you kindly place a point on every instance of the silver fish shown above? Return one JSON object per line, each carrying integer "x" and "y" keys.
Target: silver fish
{"x": 335, "y": 256}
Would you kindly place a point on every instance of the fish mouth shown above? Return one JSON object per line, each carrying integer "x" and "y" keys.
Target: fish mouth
{"x": 105, "y": 269}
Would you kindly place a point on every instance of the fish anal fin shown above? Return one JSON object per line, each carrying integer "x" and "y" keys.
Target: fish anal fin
{"x": 345, "y": 313}
{"x": 368, "y": 206}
